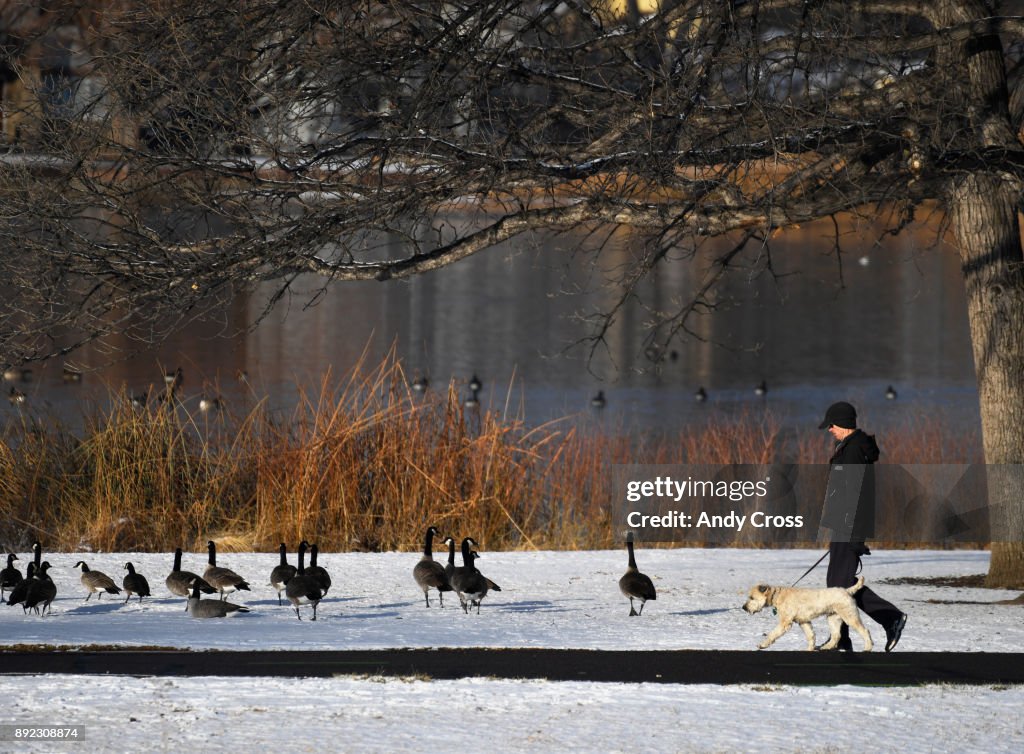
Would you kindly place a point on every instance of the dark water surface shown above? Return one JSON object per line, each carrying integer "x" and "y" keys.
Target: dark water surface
{"x": 508, "y": 315}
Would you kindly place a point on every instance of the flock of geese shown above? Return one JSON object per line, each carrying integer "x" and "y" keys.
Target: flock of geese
{"x": 761, "y": 390}
{"x": 300, "y": 585}
{"x": 36, "y": 591}
{"x": 466, "y": 581}
{"x": 420, "y": 384}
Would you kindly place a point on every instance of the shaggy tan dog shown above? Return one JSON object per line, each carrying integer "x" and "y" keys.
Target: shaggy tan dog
{"x": 801, "y": 606}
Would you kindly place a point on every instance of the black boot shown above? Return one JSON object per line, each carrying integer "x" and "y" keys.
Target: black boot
{"x": 894, "y": 631}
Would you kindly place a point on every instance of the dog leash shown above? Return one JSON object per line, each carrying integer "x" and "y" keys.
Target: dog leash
{"x": 811, "y": 568}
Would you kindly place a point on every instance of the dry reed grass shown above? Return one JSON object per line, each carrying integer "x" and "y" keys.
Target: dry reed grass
{"x": 361, "y": 464}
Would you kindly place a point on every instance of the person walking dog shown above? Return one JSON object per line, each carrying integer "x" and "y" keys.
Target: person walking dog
{"x": 849, "y": 512}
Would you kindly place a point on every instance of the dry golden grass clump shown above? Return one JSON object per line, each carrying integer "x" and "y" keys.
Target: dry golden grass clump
{"x": 364, "y": 464}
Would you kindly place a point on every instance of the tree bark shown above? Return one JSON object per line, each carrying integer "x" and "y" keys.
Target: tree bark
{"x": 983, "y": 206}
{"x": 984, "y": 210}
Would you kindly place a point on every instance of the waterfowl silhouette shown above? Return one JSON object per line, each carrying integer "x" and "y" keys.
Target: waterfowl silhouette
{"x": 634, "y": 584}
{"x": 10, "y": 576}
{"x": 428, "y": 573}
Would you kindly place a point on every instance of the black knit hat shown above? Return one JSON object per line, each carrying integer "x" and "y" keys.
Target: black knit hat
{"x": 840, "y": 414}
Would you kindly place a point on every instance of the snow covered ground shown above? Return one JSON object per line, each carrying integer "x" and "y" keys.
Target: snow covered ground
{"x": 476, "y": 715}
{"x": 548, "y": 599}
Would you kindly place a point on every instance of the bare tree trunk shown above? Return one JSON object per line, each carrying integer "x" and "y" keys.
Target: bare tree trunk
{"x": 983, "y": 206}
{"x": 984, "y": 210}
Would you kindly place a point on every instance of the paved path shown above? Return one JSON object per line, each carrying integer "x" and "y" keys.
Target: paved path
{"x": 684, "y": 666}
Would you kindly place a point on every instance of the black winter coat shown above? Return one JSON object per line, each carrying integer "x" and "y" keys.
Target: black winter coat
{"x": 849, "y": 509}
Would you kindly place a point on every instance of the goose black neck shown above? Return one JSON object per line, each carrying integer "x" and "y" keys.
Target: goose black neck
{"x": 37, "y": 552}
{"x": 451, "y": 552}
{"x": 312, "y": 555}
{"x": 129, "y": 567}
{"x": 85, "y": 568}
{"x": 467, "y": 559}
{"x": 177, "y": 560}
{"x": 632, "y": 558}
{"x": 428, "y": 543}
{"x": 195, "y": 589}
{"x": 212, "y": 549}
{"x": 302, "y": 560}
{"x": 284, "y": 550}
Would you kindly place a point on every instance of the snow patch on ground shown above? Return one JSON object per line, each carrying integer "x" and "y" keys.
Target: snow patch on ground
{"x": 377, "y": 715}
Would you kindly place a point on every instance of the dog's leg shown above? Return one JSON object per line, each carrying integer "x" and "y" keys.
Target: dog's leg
{"x": 852, "y": 619}
{"x": 835, "y": 625}
{"x": 779, "y": 630}
{"x": 809, "y": 633}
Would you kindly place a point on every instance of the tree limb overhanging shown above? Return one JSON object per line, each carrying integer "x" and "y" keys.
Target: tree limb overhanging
{"x": 163, "y": 157}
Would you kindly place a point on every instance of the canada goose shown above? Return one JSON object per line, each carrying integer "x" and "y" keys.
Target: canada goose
{"x": 701, "y": 395}
{"x": 18, "y": 594}
{"x": 449, "y": 567}
{"x": 96, "y": 582}
{"x": 16, "y": 397}
{"x": 209, "y": 405}
{"x": 10, "y": 577}
{"x": 890, "y": 393}
{"x": 428, "y": 573}
{"x": 420, "y": 384}
{"x": 138, "y": 401}
{"x": 473, "y": 401}
{"x": 491, "y": 586}
{"x": 475, "y": 386}
{"x": 199, "y": 608}
{"x": 41, "y": 591}
{"x": 761, "y": 389}
{"x": 282, "y": 573}
{"x": 317, "y": 572}
{"x": 598, "y": 401}
{"x": 179, "y": 582}
{"x": 174, "y": 380}
{"x": 303, "y": 588}
{"x": 134, "y": 583}
{"x": 469, "y": 583}
{"x": 224, "y": 580}
{"x": 37, "y": 557}
{"x": 634, "y": 584}
{"x": 71, "y": 375}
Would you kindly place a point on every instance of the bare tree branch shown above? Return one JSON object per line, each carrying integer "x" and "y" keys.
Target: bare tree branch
{"x": 164, "y": 157}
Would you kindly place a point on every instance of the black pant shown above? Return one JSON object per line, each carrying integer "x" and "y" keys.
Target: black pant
{"x": 843, "y": 560}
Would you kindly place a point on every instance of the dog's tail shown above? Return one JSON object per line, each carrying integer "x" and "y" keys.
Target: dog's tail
{"x": 856, "y": 587}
